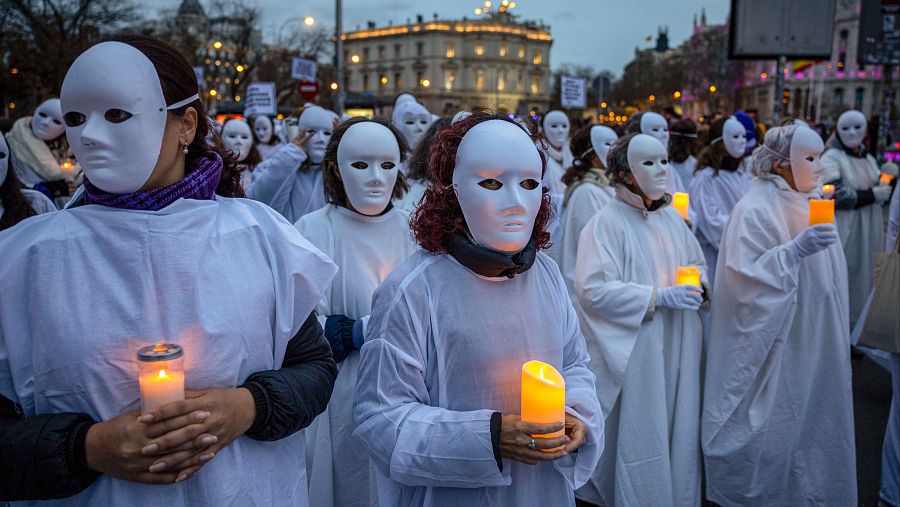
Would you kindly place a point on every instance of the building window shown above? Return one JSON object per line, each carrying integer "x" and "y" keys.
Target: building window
{"x": 521, "y": 50}
{"x": 858, "y": 98}
{"x": 501, "y": 80}
{"x": 420, "y": 48}
{"x": 381, "y": 52}
{"x": 398, "y": 82}
{"x": 520, "y": 82}
{"x": 538, "y": 57}
{"x": 383, "y": 81}
{"x": 503, "y": 49}
{"x": 419, "y": 77}
{"x": 451, "y": 50}
{"x": 365, "y": 54}
{"x": 842, "y": 49}
{"x": 398, "y": 51}
{"x": 479, "y": 79}
{"x": 365, "y": 82}
{"x": 838, "y": 99}
{"x": 535, "y": 85}
{"x": 449, "y": 78}
{"x": 479, "y": 48}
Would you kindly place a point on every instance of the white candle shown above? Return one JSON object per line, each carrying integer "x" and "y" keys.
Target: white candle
{"x": 161, "y": 378}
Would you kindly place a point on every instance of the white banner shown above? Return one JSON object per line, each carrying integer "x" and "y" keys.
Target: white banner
{"x": 572, "y": 92}
{"x": 260, "y": 99}
{"x": 303, "y": 69}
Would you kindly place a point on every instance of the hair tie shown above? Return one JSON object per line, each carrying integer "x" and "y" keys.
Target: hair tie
{"x": 683, "y": 134}
{"x": 714, "y": 141}
{"x": 773, "y": 152}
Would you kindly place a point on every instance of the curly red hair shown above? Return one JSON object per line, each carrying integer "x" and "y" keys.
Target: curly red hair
{"x": 439, "y": 217}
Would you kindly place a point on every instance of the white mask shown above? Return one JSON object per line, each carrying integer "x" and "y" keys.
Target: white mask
{"x": 734, "y": 136}
{"x": 47, "y": 122}
{"x": 412, "y": 120}
{"x": 262, "y": 127}
{"x": 649, "y": 164}
{"x": 4, "y": 159}
{"x": 115, "y": 115}
{"x": 654, "y": 124}
{"x": 556, "y": 128}
{"x": 320, "y": 123}
{"x": 851, "y": 128}
{"x": 602, "y": 139}
{"x": 238, "y": 138}
{"x": 404, "y": 97}
{"x": 806, "y": 167}
{"x": 497, "y": 181}
{"x": 368, "y": 160}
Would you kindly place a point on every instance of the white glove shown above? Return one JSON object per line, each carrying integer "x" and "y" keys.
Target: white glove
{"x": 890, "y": 168}
{"x": 815, "y": 238}
{"x": 882, "y": 193}
{"x": 679, "y": 297}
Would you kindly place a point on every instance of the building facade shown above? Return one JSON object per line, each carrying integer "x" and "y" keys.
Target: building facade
{"x": 495, "y": 63}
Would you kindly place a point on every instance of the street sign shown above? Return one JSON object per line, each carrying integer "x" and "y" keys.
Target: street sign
{"x": 572, "y": 92}
{"x": 879, "y": 33}
{"x": 260, "y": 99}
{"x": 303, "y": 69}
{"x": 768, "y": 29}
{"x": 308, "y": 89}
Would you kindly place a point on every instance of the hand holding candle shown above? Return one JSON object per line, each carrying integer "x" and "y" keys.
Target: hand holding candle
{"x": 161, "y": 377}
{"x": 688, "y": 275}
{"x": 885, "y": 179}
{"x": 821, "y": 211}
{"x": 681, "y": 203}
{"x": 543, "y": 395}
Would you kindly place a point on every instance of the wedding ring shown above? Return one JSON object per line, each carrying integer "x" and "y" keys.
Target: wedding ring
{"x": 532, "y": 444}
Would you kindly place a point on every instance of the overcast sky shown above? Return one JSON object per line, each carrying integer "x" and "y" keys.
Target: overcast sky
{"x": 598, "y": 33}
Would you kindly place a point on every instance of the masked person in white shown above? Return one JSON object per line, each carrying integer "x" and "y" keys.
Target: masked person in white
{"x": 643, "y": 333}
{"x": 17, "y": 203}
{"x": 556, "y": 127}
{"x": 890, "y": 455}
{"x": 155, "y": 254}
{"x": 238, "y": 138}
{"x": 367, "y": 238}
{"x": 587, "y": 191}
{"x": 656, "y": 125}
{"x": 412, "y": 119}
{"x": 718, "y": 186}
{"x": 290, "y": 180}
{"x": 778, "y": 411}
{"x": 418, "y": 170}
{"x": 859, "y": 200}
{"x": 439, "y": 381}
{"x": 683, "y": 150}
{"x": 264, "y": 133}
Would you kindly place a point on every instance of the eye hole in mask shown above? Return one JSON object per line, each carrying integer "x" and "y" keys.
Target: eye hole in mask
{"x": 117, "y": 115}
{"x": 359, "y": 165}
{"x": 490, "y": 184}
{"x": 529, "y": 184}
{"x": 74, "y": 119}
{"x": 388, "y": 166}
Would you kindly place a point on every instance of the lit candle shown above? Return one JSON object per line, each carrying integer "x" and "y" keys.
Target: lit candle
{"x": 67, "y": 168}
{"x": 821, "y": 211}
{"x": 543, "y": 396}
{"x": 885, "y": 179}
{"x": 828, "y": 191}
{"x": 161, "y": 376}
{"x": 688, "y": 275}
{"x": 680, "y": 201}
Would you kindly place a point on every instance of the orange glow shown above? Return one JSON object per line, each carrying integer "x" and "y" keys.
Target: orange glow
{"x": 676, "y": 95}
{"x": 885, "y": 179}
{"x": 681, "y": 201}
{"x": 828, "y": 191}
{"x": 543, "y": 395}
{"x": 688, "y": 275}
{"x": 651, "y": 98}
{"x": 821, "y": 211}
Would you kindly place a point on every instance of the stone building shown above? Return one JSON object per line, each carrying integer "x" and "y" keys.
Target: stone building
{"x": 495, "y": 62}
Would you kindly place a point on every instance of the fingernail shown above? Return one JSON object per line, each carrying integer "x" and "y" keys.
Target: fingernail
{"x": 201, "y": 416}
{"x": 182, "y": 477}
{"x": 150, "y": 448}
{"x": 210, "y": 440}
{"x": 146, "y": 418}
{"x": 159, "y": 466}
{"x": 207, "y": 457}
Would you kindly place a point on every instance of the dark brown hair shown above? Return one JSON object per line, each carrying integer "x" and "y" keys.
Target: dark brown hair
{"x": 178, "y": 82}
{"x": 439, "y": 217}
{"x": 683, "y": 141}
{"x": 331, "y": 176}
{"x": 15, "y": 205}
{"x": 617, "y": 160}
{"x": 584, "y": 156}
{"x": 713, "y": 153}
{"x": 417, "y": 168}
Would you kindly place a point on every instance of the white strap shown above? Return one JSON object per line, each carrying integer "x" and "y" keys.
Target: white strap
{"x": 182, "y": 103}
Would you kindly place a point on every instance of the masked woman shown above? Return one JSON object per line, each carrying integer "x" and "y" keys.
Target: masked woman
{"x": 17, "y": 203}
{"x": 264, "y": 133}
{"x": 418, "y": 171}
{"x": 238, "y": 138}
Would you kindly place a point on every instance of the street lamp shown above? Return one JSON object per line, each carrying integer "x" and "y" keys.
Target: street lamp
{"x": 354, "y": 58}
{"x": 217, "y": 45}
{"x": 334, "y": 86}
{"x": 309, "y": 21}
{"x": 426, "y": 83}
{"x": 712, "y": 88}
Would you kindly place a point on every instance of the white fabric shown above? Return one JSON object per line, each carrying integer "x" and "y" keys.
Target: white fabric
{"x": 228, "y": 280}
{"x": 444, "y": 350}
{"x": 890, "y": 460}
{"x": 712, "y": 198}
{"x": 280, "y": 182}
{"x": 851, "y": 128}
{"x": 411, "y": 199}
{"x": 684, "y": 170}
{"x": 647, "y": 359}
{"x": 734, "y": 137}
{"x": 238, "y": 138}
{"x": 648, "y": 161}
{"x": 861, "y": 229}
{"x": 584, "y": 202}
{"x": 31, "y": 158}
{"x": 412, "y": 120}
{"x": 368, "y": 160}
{"x": 319, "y": 123}
{"x": 655, "y": 124}
{"x": 778, "y": 414}
{"x": 47, "y": 122}
{"x": 673, "y": 181}
{"x": 266, "y": 150}
{"x": 366, "y": 249}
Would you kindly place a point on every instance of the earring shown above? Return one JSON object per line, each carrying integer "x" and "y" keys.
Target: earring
{"x": 185, "y": 150}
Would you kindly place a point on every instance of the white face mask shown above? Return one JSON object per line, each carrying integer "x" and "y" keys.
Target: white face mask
{"x": 497, "y": 179}
{"x": 404, "y": 97}
{"x": 115, "y": 115}
{"x": 368, "y": 160}
{"x": 237, "y": 138}
{"x": 851, "y": 129}
{"x": 649, "y": 164}
{"x": 556, "y": 128}
{"x": 734, "y": 136}
{"x": 262, "y": 127}
{"x": 4, "y": 159}
{"x": 654, "y": 124}
{"x": 412, "y": 119}
{"x": 806, "y": 167}
{"x": 320, "y": 123}
{"x": 47, "y": 122}
{"x": 602, "y": 139}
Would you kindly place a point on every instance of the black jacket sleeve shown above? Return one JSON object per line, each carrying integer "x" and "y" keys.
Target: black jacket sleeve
{"x": 287, "y": 400}
{"x": 42, "y": 457}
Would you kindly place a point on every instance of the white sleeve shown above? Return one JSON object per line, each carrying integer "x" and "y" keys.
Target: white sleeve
{"x": 273, "y": 178}
{"x": 710, "y": 218}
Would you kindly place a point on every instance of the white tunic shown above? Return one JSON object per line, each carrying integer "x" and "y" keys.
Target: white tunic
{"x": 685, "y": 170}
{"x": 778, "y": 411}
{"x": 444, "y": 350}
{"x": 39, "y": 202}
{"x": 861, "y": 229}
{"x": 366, "y": 250}
{"x": 279, "y": 182}
{"x": 584, "y": 202}
{"x": 229, "y": 280}
{"x": 266, "y": 150}
{"x": 411, "y": 199}
{"x": 712, "y": 199}
{"x": 647, "y": 359}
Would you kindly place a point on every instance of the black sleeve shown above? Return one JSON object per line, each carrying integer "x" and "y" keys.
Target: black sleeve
{"x": 864, "y": 198}
{"x": 287, "y": 400}
{"x": 42, "y": 457}
{"x": 496, "y": 421}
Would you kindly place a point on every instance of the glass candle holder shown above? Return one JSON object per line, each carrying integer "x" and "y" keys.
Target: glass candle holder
{"x": 161, "y": 375}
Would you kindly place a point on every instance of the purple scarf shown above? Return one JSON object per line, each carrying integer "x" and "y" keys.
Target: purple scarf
{"x": 198, "y": 184}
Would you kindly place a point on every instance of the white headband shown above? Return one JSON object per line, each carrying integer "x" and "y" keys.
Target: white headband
{"x": 182, "y": 103}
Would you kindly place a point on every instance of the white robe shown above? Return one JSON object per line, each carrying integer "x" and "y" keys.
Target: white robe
{"x": 685, "y": 171}
{"x": 228, "y": 280}
{"x": 584, "y": 202}
{"x": 647, "y": 359}
{"x": 410, "y": 200}
{"x": 38, "y": 201}
{"x": 266, "y": 150}
{"x": 712, "y": 199}
{"x": 366, "y": 250}
{"x": 278, "y": 182}
{"x": 861, "y": 229}
{"x": 444, "y": 350}
{"x": 778, "y": 410}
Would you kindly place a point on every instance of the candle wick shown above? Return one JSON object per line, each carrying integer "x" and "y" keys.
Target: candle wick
{"x": 162, "y": 374}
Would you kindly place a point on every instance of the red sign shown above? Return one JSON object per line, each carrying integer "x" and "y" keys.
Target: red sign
{"x": 308, "y": 89}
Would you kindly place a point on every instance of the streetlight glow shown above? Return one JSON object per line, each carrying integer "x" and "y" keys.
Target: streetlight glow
{"x": 354, "y": 58}
{"x": 603, "y": 105}
{"x": 239, "y": 68}
{"x": 334, "y": 86}
{"x": 309, "y": 21}
{"x": 478, "y": 11}
{"x": 487, "y": 3}
{"x": 217, "y": 45}
{"x": 213, "y": 93}
{"x": 676, "y": 95}
{"x": 652, "y": 98}
{"x": 426, "y": 83}
{"x": 712, "y": 88}
{"x": 14, "y": 70}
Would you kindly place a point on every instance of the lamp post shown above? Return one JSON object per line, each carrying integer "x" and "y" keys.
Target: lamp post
{"x": 339, "y": 57}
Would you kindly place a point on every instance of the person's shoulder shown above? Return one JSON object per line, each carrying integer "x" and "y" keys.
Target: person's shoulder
{"x": 39, "y": 202}
{"x": 413, "y": 271}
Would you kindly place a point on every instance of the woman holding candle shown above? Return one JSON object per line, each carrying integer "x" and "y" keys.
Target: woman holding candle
{"x": 644, "y": 334}
{"x": 777, "y": 411}
{"x": 439, "y": 389}
{"x": 367, "y": 237}
{"x": 17, "y": 203}
{"x": 154, "y": 254}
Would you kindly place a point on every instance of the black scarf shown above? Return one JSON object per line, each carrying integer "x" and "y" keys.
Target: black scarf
{"x": 486, "y": 262}
{"x": 730, "y": 163}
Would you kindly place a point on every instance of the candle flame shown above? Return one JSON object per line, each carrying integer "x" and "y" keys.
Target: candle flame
{"x": 162, "y": 374}
{"x": 541, "y": 373}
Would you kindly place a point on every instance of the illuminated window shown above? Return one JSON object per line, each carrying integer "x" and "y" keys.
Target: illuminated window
{"x": 535, "y": 85}
{"x": 451, "y": 50}
{"x": 521, "y": 50}
{"x": 503, "y": 49}
{"x": 538, "y": 57}
{"x": 501, "y": 80}
{"x": 449, "y": 78}
{"x": 479, "y": 49}
{"x": 479, "y": 79}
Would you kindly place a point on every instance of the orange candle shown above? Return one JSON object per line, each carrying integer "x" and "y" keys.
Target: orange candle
{"x": 828, "y": 191}
{"x": 821, "y": 211}
{"x": 680, "y": 202}
{"x": 688, "y": 275}
{"x": 885, "y": 179}
{"x": 67, "y": 168}
{"x": 161, "y": 378}
{"x": 543, "y": 396}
